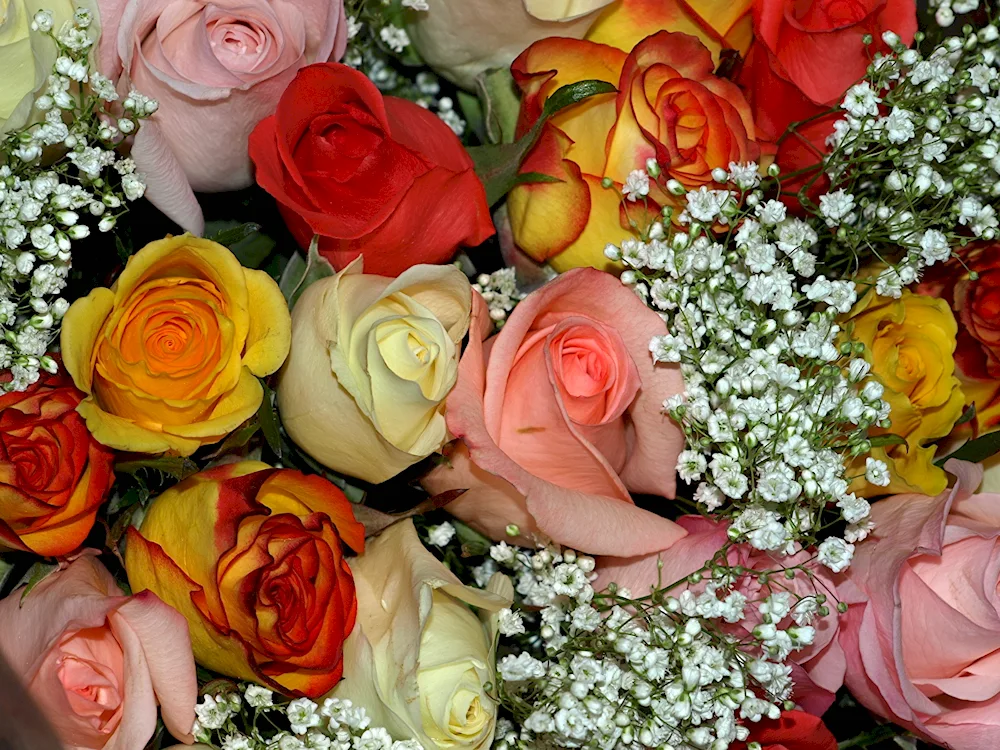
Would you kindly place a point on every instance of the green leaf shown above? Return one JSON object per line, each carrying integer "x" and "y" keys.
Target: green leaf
{"x": 268, "y": 420}
{"x": 228, "y": 233}
{"x": 35, "y": 575}
{"x": 124, "y": 252}
{"x": 880, "y": 441}
{"x": 300, "y": 273}
{"x": 6, "y": 568}
{"x": 501, "y": 104}
{"x": 246, "y": 241}
{"x": 473, "y": 543}
{"x": 239, "y": 438}
{"x": 497, "y": 165}
{"x": 177, "y": 467}
{"x": 528, "y": 178}
{"x": 976, "y": 450}
{"x": 968, "y": 415}
{"x": 472, "y": 112}
{"x": 131, "y": 496}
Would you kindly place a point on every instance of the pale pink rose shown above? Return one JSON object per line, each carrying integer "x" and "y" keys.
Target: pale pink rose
{"x": 217, "y": 68}
{"x": 818, "y": 669}
{"x": 97, "y": 662}
{"x": 560, "y": 416}
{"x": 922, "y": 633}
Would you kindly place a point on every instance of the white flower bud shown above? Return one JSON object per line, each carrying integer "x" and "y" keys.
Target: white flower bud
{"x": 48, "y": 364}
{"x": 78, "y": 232}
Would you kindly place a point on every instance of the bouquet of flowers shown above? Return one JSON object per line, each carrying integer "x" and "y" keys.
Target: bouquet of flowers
{"x": 499, "y": 374}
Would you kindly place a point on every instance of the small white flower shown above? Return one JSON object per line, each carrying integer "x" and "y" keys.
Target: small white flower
{"x": 636, "y": 185}
{"x": 510, "y": 622}
{"x": 835, "y": 553}
{"x": 876, "y": 472}
{"x": 416, "y": 4}
{"x": 302, "y": 715}
{"x": 395, "y": 38}
{"x": 441, "y": 534}
{"x": 861, "y": 101}
{"x": 258, "y": 697}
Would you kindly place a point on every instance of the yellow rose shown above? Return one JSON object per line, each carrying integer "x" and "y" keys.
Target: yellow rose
{"x": 372, "y": 360}
{"x": 170, "y": 355}
{"x": 910, "y": 344}
{"x": 419, "y": 660}
{"x": 26, "y": 56}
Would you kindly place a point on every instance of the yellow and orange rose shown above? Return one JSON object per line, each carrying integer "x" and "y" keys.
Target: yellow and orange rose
{"x": 253, "y": 558}
{"x": 910, "y": 344}
{"x": 170, "y": 356}
{"x": 669, "y": 107}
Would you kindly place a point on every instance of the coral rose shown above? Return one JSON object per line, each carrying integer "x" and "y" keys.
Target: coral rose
{"x": 425, "y": 670}
{"x": 818, "y": 669}
{"x": 910, "y": 344}
{"x": 216, "y": 69}
{"x": 372, "y": 360}
{"x": 560, "y": 415}
{"x": 369, "y": 174}
{"x": 252, "y": 557}
{"x": 53, "y": 474}
{"x": 922, "y": 630}
{"x": 669, "y": 107}
{"x": 170, "y": 355}
{"x": 97, "y": 662}
{"x": 795, "y": 730}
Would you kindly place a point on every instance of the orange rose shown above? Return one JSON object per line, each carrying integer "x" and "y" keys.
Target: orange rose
{"x": 53, "y": 474}
{"x": 669, "y": 107}
{"x": 170, "y": 355}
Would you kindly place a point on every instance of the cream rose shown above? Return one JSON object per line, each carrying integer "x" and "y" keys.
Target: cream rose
{"x": 419, "y": 660}
{"x": 26, "y": 56}
{"x": 372, "y": 360}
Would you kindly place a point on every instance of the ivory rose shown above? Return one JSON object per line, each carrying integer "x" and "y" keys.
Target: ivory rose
{"x": 53, "y": 474}
{"x": 420, "y": 661}
{"x": 170, "y": 355}
{"x": 253, "y": 558}
{"x": 216, "y": 68}
{"x": 371, "y": 362}
{"x": 559, "y": 416}
{"x": 922, "y": 630}
{"x": 98, "y": 662}
{"x": 27, "y": 57}
{"x": 669, "y": 107}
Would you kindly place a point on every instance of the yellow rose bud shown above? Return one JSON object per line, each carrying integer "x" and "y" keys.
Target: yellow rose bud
{"x": 419, "y": 660}
{"x": 910, "y": 344}
{"x": 372, "y": 360}
{"x": 27, "y": 57}
{"x": 170, "y": 355}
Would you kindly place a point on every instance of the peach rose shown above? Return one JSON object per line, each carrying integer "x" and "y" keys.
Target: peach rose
{"x": 97, "y": 662}
{"x": 217, "y": 69}
{"x": 922, "y": 631}
{"x": 560, "y": 416}
{"x": 669, "y": 107}
{"x": 170, "y": 355}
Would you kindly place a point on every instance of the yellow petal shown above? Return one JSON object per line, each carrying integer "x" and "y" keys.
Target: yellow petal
{"x": 270, "y": 333}
{"x": 603, "y": 227}
{"x": 81, "y": 326}
{"x": 232, "y": 410}
{"x": 125, "y": 435}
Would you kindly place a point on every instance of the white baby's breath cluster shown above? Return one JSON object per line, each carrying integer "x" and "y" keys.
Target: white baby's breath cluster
{"x": 681, "y": 670}
{"x": 500, "y": 292}
{"x": 946, "y": 10}
{"x": 777, "y": 402}
{"x": 232, "y": 721}
{"x": 915, "y": 164}
{"x": 58, "y": 177}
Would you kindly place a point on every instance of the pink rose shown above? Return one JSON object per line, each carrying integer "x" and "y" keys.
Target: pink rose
{"x": 922, "y": 633}
{"x": 818, "y": 669}
{"x": 217, "y": 68}
{"x": 97, "y": 662}
{"x": 560, "y": 416}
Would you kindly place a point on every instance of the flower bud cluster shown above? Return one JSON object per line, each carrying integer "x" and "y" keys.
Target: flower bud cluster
{"x": 229, "y": 720}
{"x": 47, "y": 206}
{"x": 500, "y": 292}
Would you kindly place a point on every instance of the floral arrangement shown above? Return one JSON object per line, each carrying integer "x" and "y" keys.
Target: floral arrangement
{"x": 493, "y": 375}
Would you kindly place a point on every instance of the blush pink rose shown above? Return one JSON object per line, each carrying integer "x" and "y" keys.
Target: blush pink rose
{"x": 217, "y": 68}
{"x": 560, "y": 417}
{"x": 922, "y": 632}
{"x": 97, "y": 662}
{"x": 818, "y": 669}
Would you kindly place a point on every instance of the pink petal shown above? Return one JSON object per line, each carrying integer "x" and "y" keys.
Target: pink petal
{"x": 167, "y": 187}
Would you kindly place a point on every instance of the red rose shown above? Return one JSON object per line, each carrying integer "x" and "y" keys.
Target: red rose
{"x": 53, "y": 474}
{"x": 795, "y": 730}
{"x": 370, "y": 174}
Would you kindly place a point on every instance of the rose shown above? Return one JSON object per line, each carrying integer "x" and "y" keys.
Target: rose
{"x": 922, "y": 627}
{"x": 170, "y": 355}
{"x": 372, "y": 360}
{"x": 560, "y": 415}
{"x": 252, "y": 557}
{"x": 27, "y": 57}
{"x": 370, "y": 174}
{"x": 53, "y": 474}
{"x": 666, "y": 79}
{"x": 910, "y": 343}
{"x": 795, "y": 730}
{"x": 216, "y": 69}
{"x": 419, "y": 660}
{"x": 462, "y": 38}
{"x": 818, "y": 669}
{"x": 97, "y": 662}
